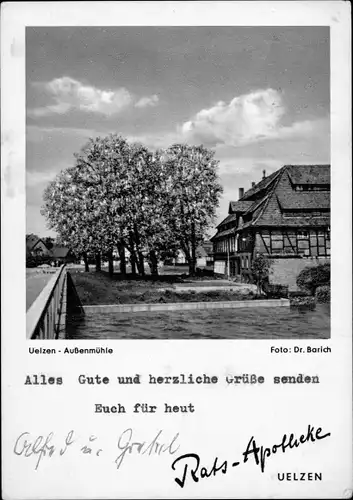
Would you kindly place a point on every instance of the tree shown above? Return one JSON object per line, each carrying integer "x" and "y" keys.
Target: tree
{"x": 260, "y": 269}
{"x": 120, "y": 195}
{"x": 103, "y": 165}
{"x": 150, "y": 207}
{"x": 194, "y": 190}
{"x": 85, "y": 203}
{"x": 49, "y": 242}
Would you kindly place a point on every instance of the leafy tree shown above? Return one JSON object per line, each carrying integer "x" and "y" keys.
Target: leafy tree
{"x": 49, "y": 242}
{"x": 260, "y": 270}
{"x": 120, "y": 195}
{"x": 85, "y": 203}
{"x": 194, "y": 190}
{"x": 103, "y": 166}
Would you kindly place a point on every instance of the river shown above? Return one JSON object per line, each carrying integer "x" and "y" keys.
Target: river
{"x": 247, "y": 323}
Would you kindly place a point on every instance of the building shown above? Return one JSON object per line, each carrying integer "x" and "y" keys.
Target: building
{"x": 35, "y": 247}
{"x": 286, "y": 216}
{"x": 62, "y": 255}
{"x": 204, "y": 256}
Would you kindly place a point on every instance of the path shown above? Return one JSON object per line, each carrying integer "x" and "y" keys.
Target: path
{"x": 35, "y": 282}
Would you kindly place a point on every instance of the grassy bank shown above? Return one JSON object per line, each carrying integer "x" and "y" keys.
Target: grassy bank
{"x": 98, "y": 288}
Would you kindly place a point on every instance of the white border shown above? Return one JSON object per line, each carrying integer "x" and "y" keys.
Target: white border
{"x": 331, "y": 403}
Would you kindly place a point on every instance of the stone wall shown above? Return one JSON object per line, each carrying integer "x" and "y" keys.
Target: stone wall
{"x": 285, "y": 271}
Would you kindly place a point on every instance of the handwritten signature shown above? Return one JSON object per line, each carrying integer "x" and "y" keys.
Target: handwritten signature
{"x": 191, "y": 462}
{"x": 44, "y": 446}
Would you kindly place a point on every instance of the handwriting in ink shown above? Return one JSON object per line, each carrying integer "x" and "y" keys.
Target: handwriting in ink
{"x": 191, "y": 462}
{"x": 153, "y": 447}
{"x": 40, "y": 447}
{"x": 260, "y": 454}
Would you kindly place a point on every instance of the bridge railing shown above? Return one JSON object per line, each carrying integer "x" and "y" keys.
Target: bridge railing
{"x": 45, "y": 319}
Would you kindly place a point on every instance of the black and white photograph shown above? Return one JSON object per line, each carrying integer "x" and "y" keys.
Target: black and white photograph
{"x": 178, "y": 182}
{"x": 180, "y": 172}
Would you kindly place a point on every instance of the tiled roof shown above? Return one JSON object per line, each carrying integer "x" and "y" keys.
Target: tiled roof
{"x": 255, "y": 205}
{"x": 283, "y": 197}
{"x": 239, "y": 206}
{"x": 59, "y": 252}
{"x": 229, "y": 218}
{"x": 276, "y": 195}
{"x": 304, "y": 200}
{"x": 31, "y": 240}
{"x": 309, "y": 174}
{"x": 221, "y": 234}
{"x": 263, "y": 184}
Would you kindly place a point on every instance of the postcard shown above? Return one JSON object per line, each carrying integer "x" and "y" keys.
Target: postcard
{"x": 176, "y": 250}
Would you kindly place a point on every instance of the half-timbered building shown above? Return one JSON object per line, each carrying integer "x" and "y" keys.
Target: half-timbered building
{"x": 285, "y": 216}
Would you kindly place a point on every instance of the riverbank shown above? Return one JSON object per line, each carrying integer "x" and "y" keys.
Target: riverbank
{"x": 100, "y": 289}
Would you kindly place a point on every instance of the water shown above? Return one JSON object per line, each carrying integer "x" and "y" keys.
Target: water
{"x": 247, "y": 323}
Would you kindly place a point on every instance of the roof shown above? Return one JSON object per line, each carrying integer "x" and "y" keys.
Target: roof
{"x": 204, "y": 249}
{"x": 59, "y": 252}
{"x": 304, "y": 200}
{"x": 221, "y": 234}
{"x": 239, "y": 206}
{"x": 282, "y": 197}
{"x": 273, "y": 197}
{"x": 262, "y": 185}
{"x": 309, "y": 174}
{"x": 31, "y": 241}
{"x": 228, "y": 219}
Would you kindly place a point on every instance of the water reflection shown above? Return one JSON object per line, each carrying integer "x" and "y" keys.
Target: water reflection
{"x": 280, "y": 322}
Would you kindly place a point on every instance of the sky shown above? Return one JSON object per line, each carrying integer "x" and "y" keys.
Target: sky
{"x": 258, "y": 96}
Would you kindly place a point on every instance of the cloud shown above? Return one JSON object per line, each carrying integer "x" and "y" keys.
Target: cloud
{"x": 244, "y": 120}
{"x": 70, "y": 94}
{"x": 147, "y": 101}
{"x": 35, "y": 178}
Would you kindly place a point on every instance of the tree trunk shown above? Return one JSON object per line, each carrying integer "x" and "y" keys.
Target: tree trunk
{"x": 132, "y": 256}
{"x": 111, "y": 263}
{"x": 85, "y": 259}
{"x": 121, "y": 250}
{"x": 192, "y": 262}
{"x": 140, "y": 263}
{"x": 133, "y": 261}
{"x": 154, "y": 263}
{"x": 140, "y": 258}
{"x": 98, "y": 262}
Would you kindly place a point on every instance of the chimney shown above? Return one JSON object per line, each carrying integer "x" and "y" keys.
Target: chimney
{"x": 253, "y": 184}
{"x": 241, "y": 193}
{"x": 264, "y": 174}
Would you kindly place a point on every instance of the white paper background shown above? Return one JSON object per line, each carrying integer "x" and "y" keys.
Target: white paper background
{"x": 225, "y": 416}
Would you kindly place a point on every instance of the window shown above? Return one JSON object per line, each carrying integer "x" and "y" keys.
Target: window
{"x": 307, "y": 213}
{"x": 312, "y": 187}
{"x": 303, "y": 234}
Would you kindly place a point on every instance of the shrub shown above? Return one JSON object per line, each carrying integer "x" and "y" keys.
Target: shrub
{"x": 274, "y": 291}
{"x": 247, "y": 277}
{"x": 323, "y": 294}
{"x": 310, "y": 278}
{"x": 260, "y": 270}
{"x": 298, "y": 293}
{"x": 303, "y": 302}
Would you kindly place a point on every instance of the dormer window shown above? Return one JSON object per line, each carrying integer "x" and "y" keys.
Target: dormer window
{"x": 312, "y": 187}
